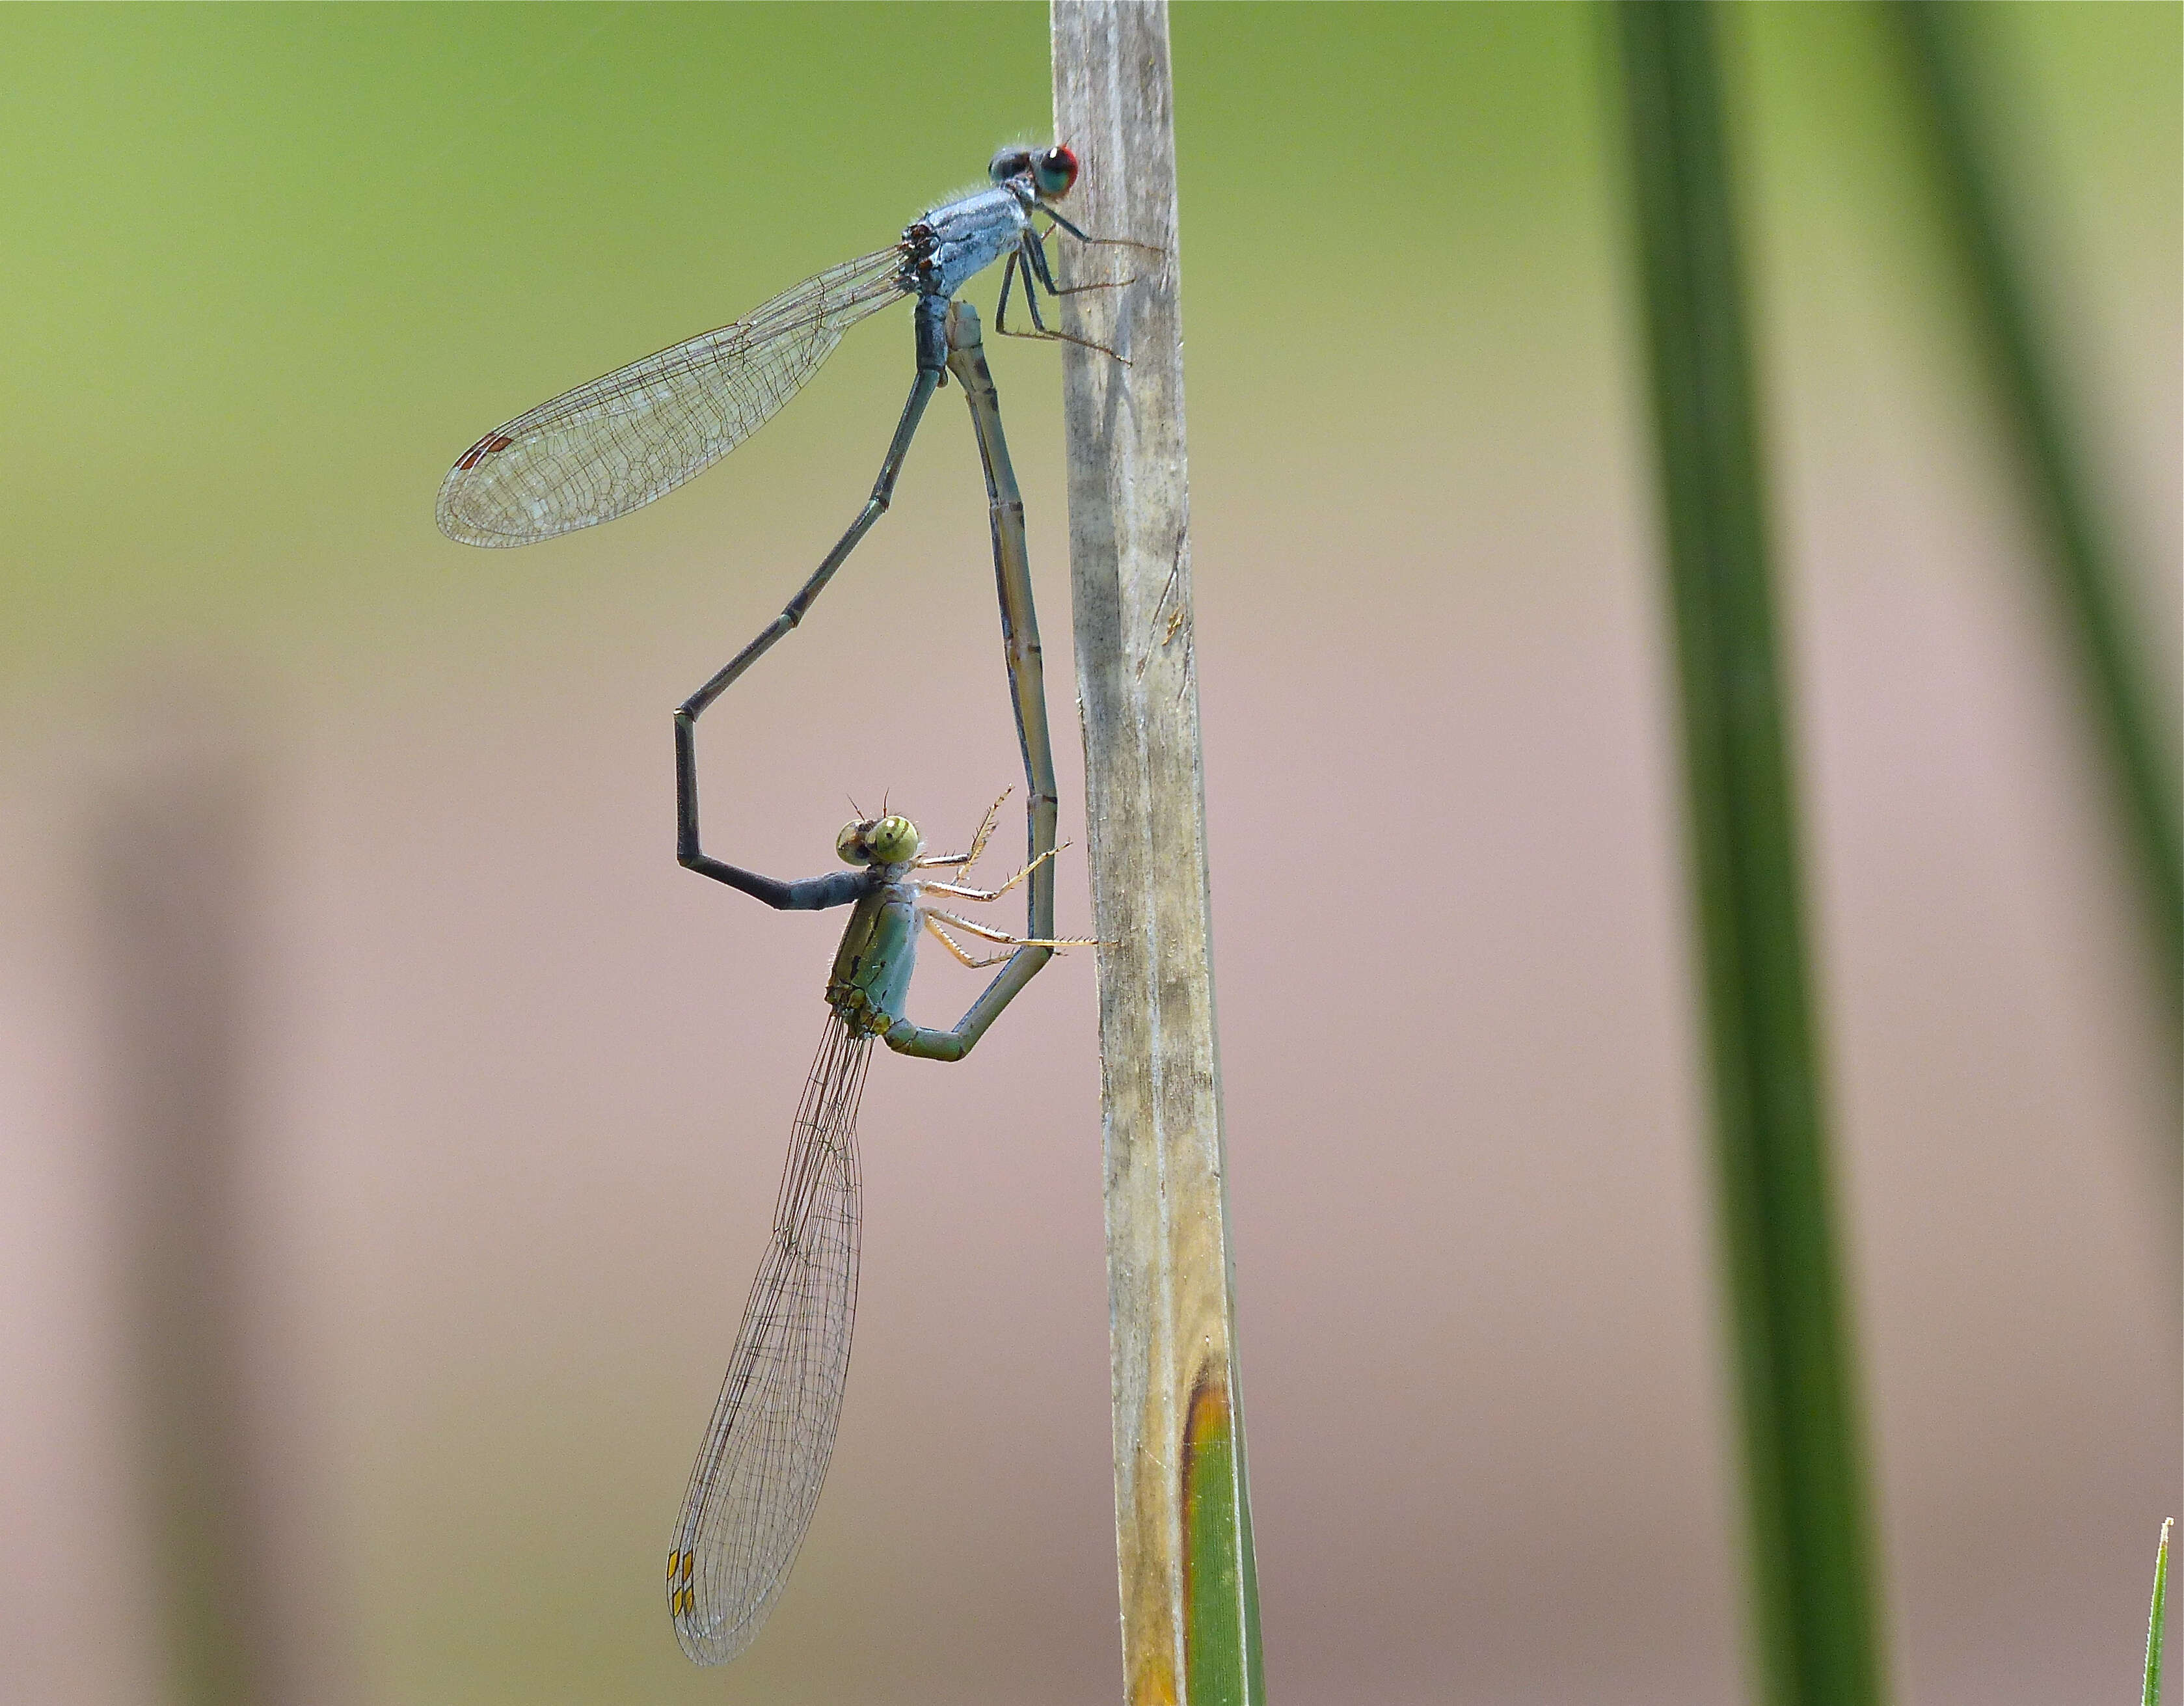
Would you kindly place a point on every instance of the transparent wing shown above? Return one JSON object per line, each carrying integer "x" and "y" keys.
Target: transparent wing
{"x": 757, "y": 1478}
{"x": 616, "y": 444}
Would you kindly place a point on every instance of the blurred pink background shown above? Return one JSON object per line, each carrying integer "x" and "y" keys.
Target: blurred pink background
{"x": 507, "y": 1092}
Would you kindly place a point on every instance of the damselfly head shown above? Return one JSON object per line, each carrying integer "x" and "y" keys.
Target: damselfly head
{"x": 1054, "y": 172}
{"x": 890, "y": 840}
{"x": 1051, "y": 171}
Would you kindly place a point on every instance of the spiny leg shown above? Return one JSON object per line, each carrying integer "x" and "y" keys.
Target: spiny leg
{"x": 967, "y": 893}
{"x": 1048, "y": 335}
{"x": 994, "y": 935}
{"x": 1102, "y": 241}
{"x": 1032, "y": 254}
{"x": 1034, "y": 275}
{"x": 1036, "y": 267}
{"x": 1008, "y": 277}
{"x": 978, "y": 842}
{"x": 957, "y": 949}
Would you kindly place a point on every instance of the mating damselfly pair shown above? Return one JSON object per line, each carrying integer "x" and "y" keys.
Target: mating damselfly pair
{"x": 620, "y": 443}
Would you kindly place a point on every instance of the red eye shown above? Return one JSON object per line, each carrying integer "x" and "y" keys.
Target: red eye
{"x": 1055, "y": 172}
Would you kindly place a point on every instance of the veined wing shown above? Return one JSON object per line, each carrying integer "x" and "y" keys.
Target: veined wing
{"x": 616, "y": 444}
{"x": 757, "y": 1478}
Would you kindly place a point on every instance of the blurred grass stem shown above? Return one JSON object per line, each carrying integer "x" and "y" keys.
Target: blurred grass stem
{"x": 171, "y": 859}
{"x": 1813, "y": 1635}
{"x": 2088, "y": 600}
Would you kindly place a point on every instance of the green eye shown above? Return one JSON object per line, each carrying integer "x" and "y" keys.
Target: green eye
{"x": 850, "y": 846}
{"x": 1054, "y": 172}
{"x": 892, "y": 840}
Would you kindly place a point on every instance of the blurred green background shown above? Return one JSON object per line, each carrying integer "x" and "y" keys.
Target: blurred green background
{"x": 501, "y": 1096}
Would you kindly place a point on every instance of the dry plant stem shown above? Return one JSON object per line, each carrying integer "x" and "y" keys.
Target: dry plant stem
{"x": 1809, "y": 1552}
{"x": 1188, "y": 1585}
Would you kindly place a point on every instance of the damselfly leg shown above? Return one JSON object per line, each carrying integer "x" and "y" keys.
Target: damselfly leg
{"x": 962, "y": 892}
{"x": 1030, "y": 259}
{"x": 933, "y": 914}
{"x": 966, "y": 860}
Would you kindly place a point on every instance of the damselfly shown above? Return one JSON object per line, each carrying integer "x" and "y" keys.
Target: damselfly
{"x": 757, "y": 1477}
{"x": 622, "y": 441}
{"x": 617, "y": 443}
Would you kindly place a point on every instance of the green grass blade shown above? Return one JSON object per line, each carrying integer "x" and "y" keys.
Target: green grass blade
{"x": 2087, "y": 594}
{"x": 2154, "y": 1618}
{"x": 1814, "y": 1621}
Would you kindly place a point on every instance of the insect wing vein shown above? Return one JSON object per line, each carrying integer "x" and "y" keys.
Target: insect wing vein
{"x": 758, "y": 1476}
{"x": 618, "y": 442}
